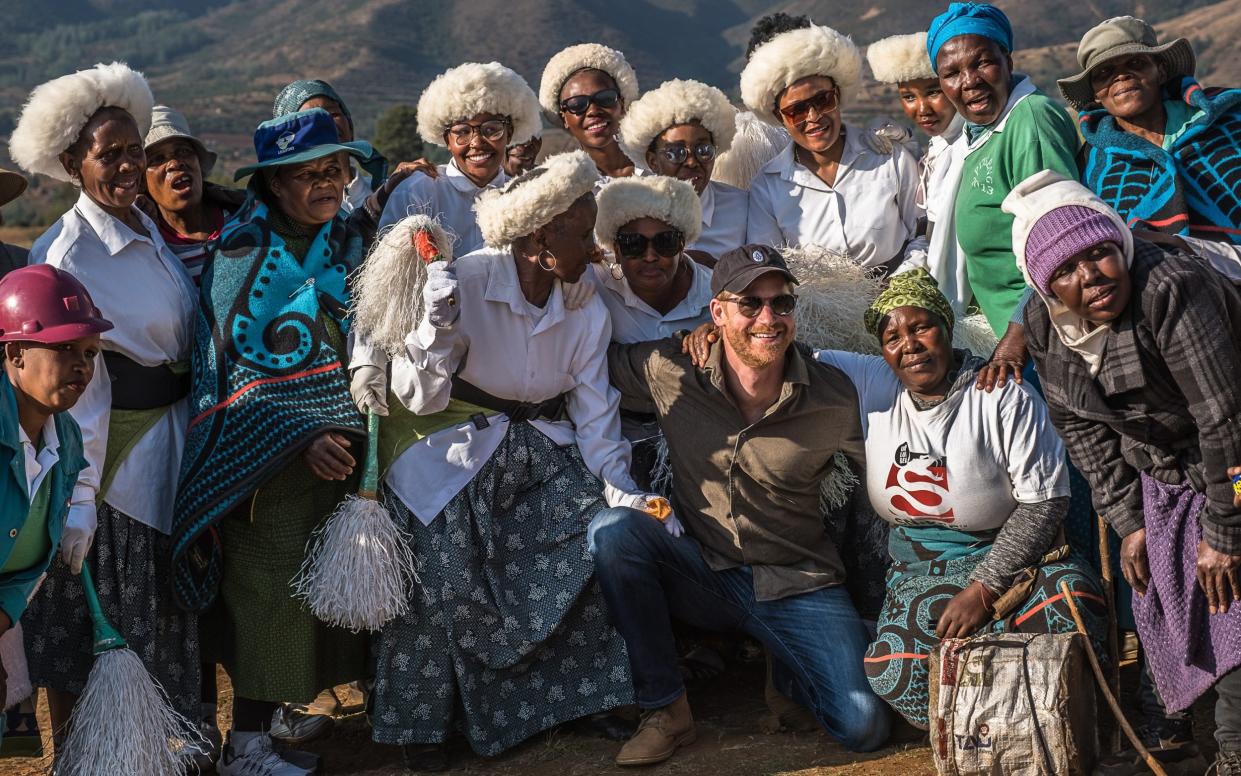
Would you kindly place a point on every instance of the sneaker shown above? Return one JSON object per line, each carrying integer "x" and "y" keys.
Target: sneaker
{"x": 207, "y": 751}
{"x": 256, "y": 757}
{"x": 294, "y": 724}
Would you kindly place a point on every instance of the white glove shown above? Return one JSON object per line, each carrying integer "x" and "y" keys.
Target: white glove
{"x": 439, "y": 295}
{"x": 369, "y": 388}
{"x": 882, "y": 136}
{"x": 576, "y": 295}
{"x": 78, "y": 535}
{"x": 672, "y": 525}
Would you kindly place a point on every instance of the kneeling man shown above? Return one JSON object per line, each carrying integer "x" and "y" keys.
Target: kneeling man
{"x": 750, "y": 437}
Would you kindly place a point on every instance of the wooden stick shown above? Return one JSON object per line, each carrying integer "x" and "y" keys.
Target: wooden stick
{"x": 1113, "y": 628}
{"x": 1151, "y": 762}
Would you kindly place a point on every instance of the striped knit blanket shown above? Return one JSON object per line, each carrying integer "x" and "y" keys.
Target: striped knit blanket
{"x": 1194, "y": 186}
{"x": 269, "y": 376}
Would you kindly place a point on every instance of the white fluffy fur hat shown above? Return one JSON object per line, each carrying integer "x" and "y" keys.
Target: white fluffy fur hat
{"x": 585, "y": 56}
{"x": 900, "y": 58}
{"x": 648, "y": 196}
{"x": 58, "y": 110}
{"x": 676, "y": 102}
{"x": 791, "y": 56}
{"x": 530, "y": 201}
{"x": 473, "y": 88}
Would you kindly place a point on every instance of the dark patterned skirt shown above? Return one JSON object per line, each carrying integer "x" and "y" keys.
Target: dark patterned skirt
{"x": 896, "y": 662}
{"x": 507, "y": 635}
{"x": 132, "y": 571}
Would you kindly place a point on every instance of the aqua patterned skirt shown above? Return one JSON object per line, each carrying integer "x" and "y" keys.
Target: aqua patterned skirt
{"x": 507, "y": 635}
{"x": 918, "y": 591}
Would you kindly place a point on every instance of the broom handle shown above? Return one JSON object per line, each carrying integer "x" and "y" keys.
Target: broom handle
{"x": 106, "y": 637}
{"x": 1151, "y": 762}
{"x": 370, "y": 475}
{"x": 1113, "y": 635}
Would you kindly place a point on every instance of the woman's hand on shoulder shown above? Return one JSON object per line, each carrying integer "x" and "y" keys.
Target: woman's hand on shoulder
{"x": 1007, "y": 360}
{"x": 398, "y": 176}
{"x": 698, "y": 343}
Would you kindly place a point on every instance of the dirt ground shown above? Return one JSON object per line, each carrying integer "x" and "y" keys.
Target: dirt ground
{"x": 730, "y": 743}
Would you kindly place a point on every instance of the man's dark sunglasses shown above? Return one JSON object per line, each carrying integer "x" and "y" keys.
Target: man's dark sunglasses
{"x": 632, "y": 245}
{"x": 606, "y": 99}
{"x": 678, "y": 153}
{"x": 751, "y": 306}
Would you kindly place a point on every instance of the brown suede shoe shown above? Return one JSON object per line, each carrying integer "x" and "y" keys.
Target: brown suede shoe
{"x": 659, "y": 735}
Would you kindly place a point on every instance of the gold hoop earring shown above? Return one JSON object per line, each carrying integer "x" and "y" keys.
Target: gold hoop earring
{"x": 617, "y": 272}
{"x": 552, "y": 258}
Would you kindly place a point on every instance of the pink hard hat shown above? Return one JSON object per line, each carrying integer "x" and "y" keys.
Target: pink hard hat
{"x": 41, "y": 303}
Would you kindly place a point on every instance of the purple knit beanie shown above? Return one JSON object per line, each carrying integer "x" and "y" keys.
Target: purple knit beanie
{"x": 1061, "y": 233}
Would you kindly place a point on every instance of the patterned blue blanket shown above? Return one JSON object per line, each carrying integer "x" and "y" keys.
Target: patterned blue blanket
{"x": 267, "y": 376}
{"x": 1193, "y": 186}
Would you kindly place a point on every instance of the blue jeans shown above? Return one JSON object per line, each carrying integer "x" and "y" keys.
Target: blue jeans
{"x": 816, "y": 640}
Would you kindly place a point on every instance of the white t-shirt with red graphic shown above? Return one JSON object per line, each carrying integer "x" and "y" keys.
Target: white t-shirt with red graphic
{"x": 965, "y": 463}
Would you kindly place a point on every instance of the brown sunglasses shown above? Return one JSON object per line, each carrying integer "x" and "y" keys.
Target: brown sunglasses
{"x": 822, "y": 102}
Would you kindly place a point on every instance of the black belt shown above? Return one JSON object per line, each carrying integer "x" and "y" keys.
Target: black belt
{"x": 638, "y": 417}
{"x": 517, "y": 411}
{"x": 137, "y": 387}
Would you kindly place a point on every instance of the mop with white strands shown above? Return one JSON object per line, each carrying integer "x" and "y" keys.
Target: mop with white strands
{"x": 123, "y": 721}
{"x": 359, "y": 568}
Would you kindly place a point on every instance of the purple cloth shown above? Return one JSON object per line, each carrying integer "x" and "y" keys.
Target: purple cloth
{"x": 1186, "y": 648}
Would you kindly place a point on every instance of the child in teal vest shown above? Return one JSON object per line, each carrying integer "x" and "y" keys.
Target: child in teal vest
{"x": 49, "y": 331}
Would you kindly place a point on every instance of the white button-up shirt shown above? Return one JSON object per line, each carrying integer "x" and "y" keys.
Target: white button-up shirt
{"x": 138, "y": 284}
{"x": 868, "y": 214}
{"x": 725, "y": 210}
{"x": 509, "y": 349}
{"x": 39, "y": 461}
{"x": 448, "y": 197}
{"x": 635, "y": 321}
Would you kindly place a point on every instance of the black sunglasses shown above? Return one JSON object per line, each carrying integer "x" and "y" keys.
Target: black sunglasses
{"x": 606, "y": 99}
{"x": 751, "y": 306}
{"x": 679, "y": 154}
{"x": 632, "y": 245}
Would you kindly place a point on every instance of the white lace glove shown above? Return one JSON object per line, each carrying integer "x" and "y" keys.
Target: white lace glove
{"x": 882, "y": 136}
{"x": 369, "y": 387}
{"x": 440, "y": 295}
{"x": 79, "y": 532}
{"x": 576, "y": 295}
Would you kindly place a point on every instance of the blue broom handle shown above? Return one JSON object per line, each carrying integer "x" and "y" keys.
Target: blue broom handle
{"x": 106, "y": 637}
{"x": 370, "y": 475}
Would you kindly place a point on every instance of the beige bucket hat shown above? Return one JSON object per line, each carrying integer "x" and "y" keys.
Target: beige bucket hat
{"x": 1118, "y": 37}
{"x": 166, "y": 124}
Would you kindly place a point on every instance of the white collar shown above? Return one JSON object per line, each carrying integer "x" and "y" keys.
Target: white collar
{"x": 114, "y": 233}
{"x": 461, "y": 182}
{"x": 503, "y": 287}
{"x": 696, "y": 299}
{"x": 51, "y": 442}
{"x": 1021, "y": 90}
{"x": 785, "y": 164}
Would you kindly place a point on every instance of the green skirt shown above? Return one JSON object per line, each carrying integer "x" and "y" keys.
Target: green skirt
{"x": 273, "y": 648}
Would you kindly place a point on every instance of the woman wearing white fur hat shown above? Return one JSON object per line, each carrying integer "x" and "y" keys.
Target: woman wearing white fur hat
{"x": 587, "y": 89}
{"x": 651, "y": 288}
{"x": 678, "y": 130}
{"x": 88, "y": 128}
{"x": 902, "y": 61}
{"x": 512, "y": 446}
{"x": 476, "y": 111}
{"x": 828, "y": 188}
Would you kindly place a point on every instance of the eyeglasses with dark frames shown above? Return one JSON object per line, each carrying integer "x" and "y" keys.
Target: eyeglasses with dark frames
{"x": 751, "y": 306}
